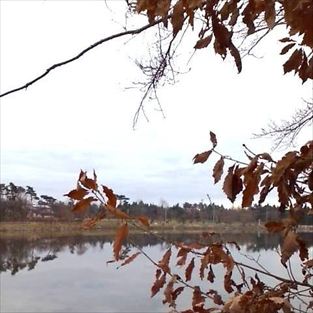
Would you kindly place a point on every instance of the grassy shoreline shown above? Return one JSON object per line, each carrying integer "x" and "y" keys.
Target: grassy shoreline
{"x": 47, "y": 228}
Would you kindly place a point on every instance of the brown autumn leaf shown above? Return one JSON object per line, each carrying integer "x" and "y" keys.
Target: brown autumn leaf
{"x": 303, "y": 250}
{"x": 177, "y": 292}
{"x": 211, "y": 275}
{"x": 293, "y": 62}
{"x": 275, "y": 227}
{"x": 284, "y": 193}
{"x": 143, "y": 220}
{"x": 83, "y": 204}
{"x": 222, "y": 257}
{"x": 232, "y": 184}
{"x": 228, "y": 283}
{"x": 287, "y": 48}
{"x": 289, "y": 247}
{"x": 130, "y": 258}
{"x": 287, "y": 160}
{"x": 265, "y": 156}
{"x": 120, "y": 236}
{"x": 158, "y": 284}
{"x": 77, "y": 194}
{"x": 263, "y": 194}
{"x": 251, "y": 182}
{"x": 270, "y": 13}
{"x": 182, "y": 260}
{"x": 164, "y": 262}
{"x": 282, "y": 304}
{"x": 236, "y": 55}
{"x": 168, "y": 291}
{"x": 201, "y": 157}
{"x": 213, "y": 139}
{"x": 204, "y": 265}
{"x": 308, "y": 263}
{"x": 162, "y": 7}
{"x": 218, "y": 170}
{"x": 203, "y": 42}
{"x": 110, "y": 195}
{"x": 177, "y": 19}
{"x": 87, "y": 182}
{"x": 189, "y": 269}
{"x": 197, "y": 298}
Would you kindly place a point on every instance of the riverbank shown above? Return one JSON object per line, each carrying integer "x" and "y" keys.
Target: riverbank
{"x": 108, "y": 226}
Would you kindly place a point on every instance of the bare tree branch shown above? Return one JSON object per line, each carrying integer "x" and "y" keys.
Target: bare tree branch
{"x": 79, "y": 55}
{"x": 285, "y": 133}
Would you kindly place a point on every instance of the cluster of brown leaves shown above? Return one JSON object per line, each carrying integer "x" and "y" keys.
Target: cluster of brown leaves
{"x": 87, "y": 192}
{"x": 257, "y": 299}
{"x": 207, "y": 256}
{"x": 291, "y": 177}
{"x": 221, "y": 16}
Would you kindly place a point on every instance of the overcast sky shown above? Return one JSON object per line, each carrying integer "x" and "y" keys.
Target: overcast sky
{"x": 80, "y": 116}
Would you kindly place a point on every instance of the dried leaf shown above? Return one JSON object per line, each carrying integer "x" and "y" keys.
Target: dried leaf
{"x": 232, "y": 184}
{"x": 236, "y": 55}
{"x": 251, "y": 182}
{"x": 282, "y": 304}
{"x": 270, "y": 14}
{"x": 203, "y": 42}
{"x": 87, "y": 182}
{"x": 218, "y": 170}
{"x": 143, "y": 220}
{"x": 120, "y": 236}
{"x": 293, "y": 62}
{"x": 189, "y": 269}
{"x": 178, "y": 17}
{"x": 211, "y": 275}
{"x": 131, "y": 258}
{"x": 83, "y": 204}
{"x": 163, "y": 264}
{"x": 177, "y": 292}
{"x": 182, "y": 260}
{"x": 204, "y": 265}
{"x": 308, "y": 263}
{"x": 197, "y": 298}
{"x": 289, "y": 247}
{"x": 303, "y": 250}
{"x": 288, "y": 159}
{"x": 202, "y": 157}
{"x": 287, "y": 48}
{"x": 228, "y": 283}
{"x": 158, "y": 284}
{"x": 169, "y": 291}
{"x": 213, "y": 139}
{"x": 275, "y": 227}
{"x": 110, "y": 195}
{"x": 77, "y": 194}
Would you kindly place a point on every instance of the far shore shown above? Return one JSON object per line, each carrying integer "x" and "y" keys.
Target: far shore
{"x": 108, "y": 226}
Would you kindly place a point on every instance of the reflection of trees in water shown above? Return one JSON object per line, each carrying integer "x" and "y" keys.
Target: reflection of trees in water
{"x": 22, "y": 253}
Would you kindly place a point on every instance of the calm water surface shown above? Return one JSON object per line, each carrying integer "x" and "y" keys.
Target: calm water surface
{"x": 71, "y": 274}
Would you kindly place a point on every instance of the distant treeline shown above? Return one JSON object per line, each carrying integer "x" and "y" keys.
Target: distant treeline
{"x": 22, "y": 203}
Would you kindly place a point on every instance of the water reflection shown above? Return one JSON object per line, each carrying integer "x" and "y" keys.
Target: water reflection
{"x": 70, "y": 274}
{"x": 24, "y": 253}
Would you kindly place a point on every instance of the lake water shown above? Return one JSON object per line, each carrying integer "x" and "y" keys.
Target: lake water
{"x": 72, "y": 274}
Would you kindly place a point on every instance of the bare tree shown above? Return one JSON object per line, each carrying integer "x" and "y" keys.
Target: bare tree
{"x": 284, "y": 134}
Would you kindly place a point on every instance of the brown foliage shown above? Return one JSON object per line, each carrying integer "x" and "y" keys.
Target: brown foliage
{"x": 220, "y": 17}
{"x": 290, "y": 176}
{"x": 121, "y": 234}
